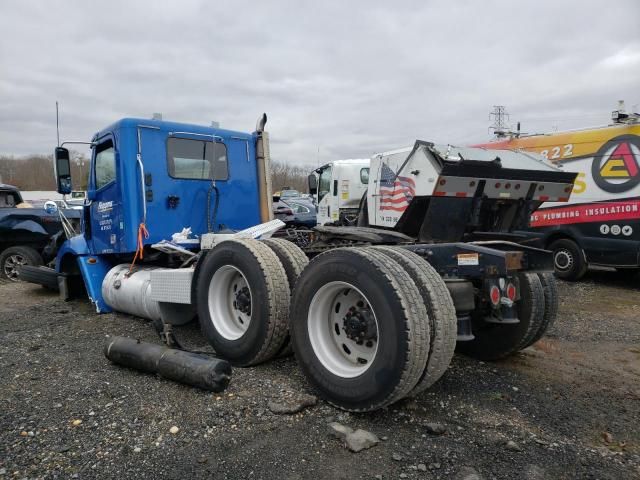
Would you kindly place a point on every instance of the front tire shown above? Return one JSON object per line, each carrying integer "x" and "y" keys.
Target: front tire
{"x": 13, "y": 258}
{"x": 568, "y": 260}
{"x": 359, "y": 328}
{"x": 243, "y": 301}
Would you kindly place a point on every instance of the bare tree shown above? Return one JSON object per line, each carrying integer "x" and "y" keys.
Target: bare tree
{"x": 35, "y": 172}
{"x": 284, "y": 175}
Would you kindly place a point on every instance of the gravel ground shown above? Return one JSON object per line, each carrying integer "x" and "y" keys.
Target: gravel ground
{"x": 569, "y": 407}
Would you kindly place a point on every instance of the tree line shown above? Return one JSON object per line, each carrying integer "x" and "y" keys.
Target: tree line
{"x": 35, "y": 172}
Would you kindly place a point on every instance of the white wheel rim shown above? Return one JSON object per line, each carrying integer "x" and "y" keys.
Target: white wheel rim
{"x": 228, "y": 293}
{"x": 331, "y": 343}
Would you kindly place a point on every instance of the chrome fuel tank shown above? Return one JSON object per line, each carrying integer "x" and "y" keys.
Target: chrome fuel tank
{"x": 131, "y": 293}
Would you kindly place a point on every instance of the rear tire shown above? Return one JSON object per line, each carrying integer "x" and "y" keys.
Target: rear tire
{"x": 14, "y": 257}
{"x": 372, "y": 289}
{"x": 291, "y": 257}
{"x": 568, "y": 260}
{"x": 440, "y": 310}
{"x": 243, "y": 301}
{"x": 550, "y": 288}
{"x": 494, "y": 341}
{"x": 294, "y": 261}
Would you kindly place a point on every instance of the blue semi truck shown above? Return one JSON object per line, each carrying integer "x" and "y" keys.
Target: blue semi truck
{"x": 178, "y": 225}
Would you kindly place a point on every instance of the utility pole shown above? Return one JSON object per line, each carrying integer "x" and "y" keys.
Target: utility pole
{"x": 57, "y": 123}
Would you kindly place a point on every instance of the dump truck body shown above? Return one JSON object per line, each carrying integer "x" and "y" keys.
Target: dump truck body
{"x": 467, "y": 186}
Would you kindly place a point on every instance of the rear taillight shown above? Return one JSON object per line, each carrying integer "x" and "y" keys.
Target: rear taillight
{"x": 494, "y": 295}
{"x": 511, "y": 292}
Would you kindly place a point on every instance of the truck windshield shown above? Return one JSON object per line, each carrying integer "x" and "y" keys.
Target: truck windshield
{"x": 364, "y": 175}
{"x": 324, "y": 185}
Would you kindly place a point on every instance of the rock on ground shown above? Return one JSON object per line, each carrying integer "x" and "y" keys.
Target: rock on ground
{"x": 435, "y": 428}
{"x": 360, "y": 440}
{"x": 468, "y": 473}
{"x": 339, "y": 431}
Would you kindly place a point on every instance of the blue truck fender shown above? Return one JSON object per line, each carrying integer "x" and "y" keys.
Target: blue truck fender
{"x": 93, "y": 268}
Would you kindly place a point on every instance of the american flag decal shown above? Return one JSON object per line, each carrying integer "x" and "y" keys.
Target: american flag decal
{"x": 395, "y": 192}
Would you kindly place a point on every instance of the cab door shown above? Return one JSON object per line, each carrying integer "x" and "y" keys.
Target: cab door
{"x": 325, "y": 196}
{"x": 105, "y": 233}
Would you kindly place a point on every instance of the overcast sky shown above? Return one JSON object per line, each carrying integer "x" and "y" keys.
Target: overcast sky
{"x": 348, "y": 78}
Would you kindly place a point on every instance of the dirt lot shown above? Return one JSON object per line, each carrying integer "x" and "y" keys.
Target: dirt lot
{"x": 570, "y": 406}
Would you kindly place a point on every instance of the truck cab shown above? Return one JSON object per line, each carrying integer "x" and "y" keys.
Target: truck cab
{"x": 153, "y": 180}
{"x": 340, "y": 186}
{"x": 161, "y": 174}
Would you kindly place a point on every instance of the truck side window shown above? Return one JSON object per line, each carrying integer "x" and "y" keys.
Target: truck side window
{"x": 105, "y": 166}
{"x": 197, "y": 159}
{"x": 364, "y": 175}
{"x": 324, "y": 184}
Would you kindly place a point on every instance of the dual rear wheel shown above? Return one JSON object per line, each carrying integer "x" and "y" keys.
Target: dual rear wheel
{"x": 369, "y": 326}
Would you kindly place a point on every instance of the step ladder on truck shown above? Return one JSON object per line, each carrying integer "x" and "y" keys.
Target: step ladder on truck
{"x": 176, "y": 227}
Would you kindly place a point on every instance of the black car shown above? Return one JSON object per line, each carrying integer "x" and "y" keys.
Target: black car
{"x": 28, "y": 235}
{"x": 295, "y": 212}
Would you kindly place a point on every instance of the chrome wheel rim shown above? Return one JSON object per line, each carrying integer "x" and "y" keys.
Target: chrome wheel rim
{"x": 11, "y": 265}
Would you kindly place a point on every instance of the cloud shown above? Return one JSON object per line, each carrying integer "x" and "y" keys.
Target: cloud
{"x": 337, "y": 79}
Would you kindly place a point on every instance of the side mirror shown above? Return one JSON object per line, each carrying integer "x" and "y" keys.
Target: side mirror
{"x": 313, "y": 184}
{"x": 62, "y": 166}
